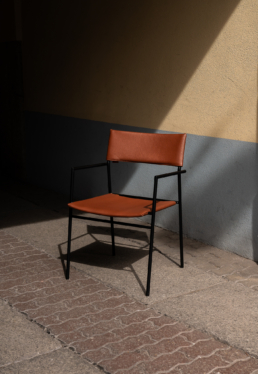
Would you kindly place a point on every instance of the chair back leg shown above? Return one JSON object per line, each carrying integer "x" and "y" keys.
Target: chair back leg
{"x": 69, "y": 244}
{"x": 181, "y": 237}
{"x": 113, "y": 236}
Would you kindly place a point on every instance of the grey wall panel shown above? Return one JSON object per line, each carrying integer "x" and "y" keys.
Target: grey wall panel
{"x": 220, "y": 203}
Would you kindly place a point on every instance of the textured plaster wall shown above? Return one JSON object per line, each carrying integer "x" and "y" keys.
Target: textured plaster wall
{"x": 188, "y": 66}
{"x": 220, "y": 98}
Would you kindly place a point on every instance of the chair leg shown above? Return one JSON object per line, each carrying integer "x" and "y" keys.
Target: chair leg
{"x": 69, "y": 245}
{"x": 150, "y": 257}
{"x": 181, "y": 237}
{"x": 113, "y": 237}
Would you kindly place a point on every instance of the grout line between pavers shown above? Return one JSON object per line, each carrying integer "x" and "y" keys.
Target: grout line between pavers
{"x": 200, "y": 357}
{"x": 73, "y": 299}
{"x": 223, "y": 341}
{"x": 58, "y": 293}
{"x": 27, "y": 292}
{"x": 24, "y": 251}
{"x": 123, "y": 339}
{"x": 230, "y": 364}
{"x": 64, "y": 311}
{"x": 143, "y": 333}
{"x": 115, "y": 328}
{"x": 130, "y": 368}
{"x": 26, "y": 275}
{"x": 77, "y": 318}
{"x": 22, "y": 285}
{"x": 151, "y": 345}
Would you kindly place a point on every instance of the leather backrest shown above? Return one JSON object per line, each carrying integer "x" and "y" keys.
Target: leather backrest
{"x": 163, "y": 149}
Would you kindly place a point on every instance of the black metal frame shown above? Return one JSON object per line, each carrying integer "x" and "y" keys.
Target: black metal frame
{"x": 112, "y": 222}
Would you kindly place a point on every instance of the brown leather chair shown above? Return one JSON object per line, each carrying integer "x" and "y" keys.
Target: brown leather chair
{"x": 124, "y": 146}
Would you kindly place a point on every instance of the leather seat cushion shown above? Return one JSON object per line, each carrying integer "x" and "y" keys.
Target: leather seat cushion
{"x": 113, "y": 205}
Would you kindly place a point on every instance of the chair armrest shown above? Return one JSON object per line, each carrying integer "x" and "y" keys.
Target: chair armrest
{"x": 170, "y": 174}
{"x": 155, "y": 189}
{"x": 76, "y": 168}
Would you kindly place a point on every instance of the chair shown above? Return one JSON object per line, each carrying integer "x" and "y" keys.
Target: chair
{"x": 124, "y": 146}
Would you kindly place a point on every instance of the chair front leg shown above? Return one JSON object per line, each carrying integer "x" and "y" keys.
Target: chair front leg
{"x": 150, "y": 255}
{"x": 69, "y": 244}
{"x": 152, "y": 235}
{"x": 180, "y": 220}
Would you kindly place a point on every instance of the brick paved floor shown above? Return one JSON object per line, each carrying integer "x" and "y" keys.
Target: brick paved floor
{"x": 104, "y": 325}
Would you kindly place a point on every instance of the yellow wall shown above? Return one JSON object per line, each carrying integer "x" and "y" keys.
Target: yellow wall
{"x": 185, "y": 66}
